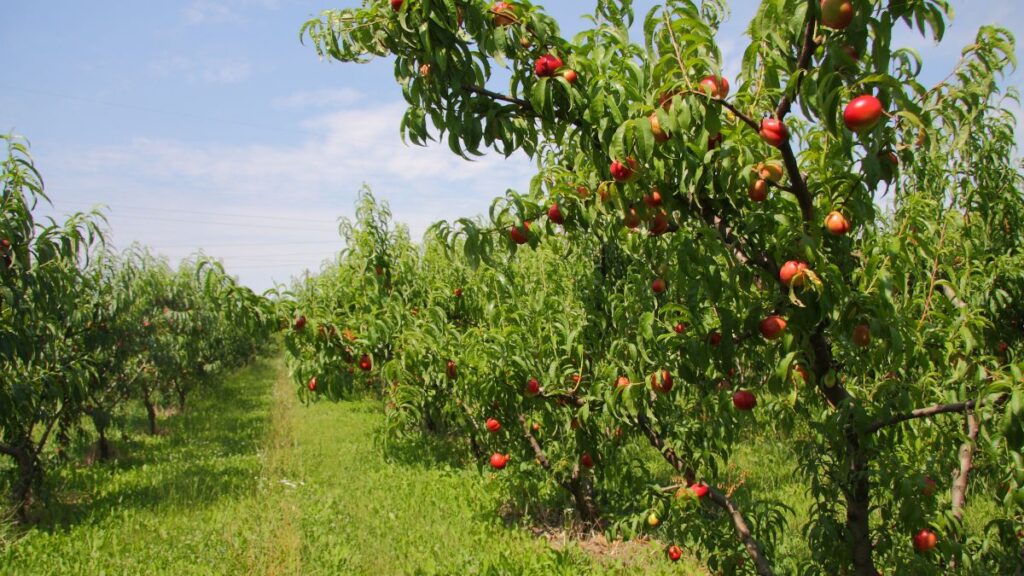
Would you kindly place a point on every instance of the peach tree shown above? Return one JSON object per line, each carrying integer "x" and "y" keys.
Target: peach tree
{"x": 84, "y": 329}
{"x": 44, "y": 366}
{"x": 822, "y": 247}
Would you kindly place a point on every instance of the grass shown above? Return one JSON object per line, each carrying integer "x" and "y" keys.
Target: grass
{"x": 360, "y": 513}
{"x": 250, "y": 481}
{"x": 185, "y": 502}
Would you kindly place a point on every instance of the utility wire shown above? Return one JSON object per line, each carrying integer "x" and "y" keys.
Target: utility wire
{"x": 118, "y": 207}
{"x": 296, "y": 228}
{"x": 197, "y": 117}
{"x": 249, "y": 245}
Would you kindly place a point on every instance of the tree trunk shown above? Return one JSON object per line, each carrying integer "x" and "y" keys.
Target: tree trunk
{"x": 477, "y": 450}
{"x": 63, "y": 441}
{"x": 959, "y": 496}
{"x": 960, "y": 478}
{"x": 858, "y": 505}
{"x": 578, "y": 486}
{"x": 583, "y": 494}
{"x": 428, "y": 421}
{"x": 150, "y": 411}
{"x": 181, "y": 399}
{"x": 104, "y": 445}
{"x": 28, "y": 472}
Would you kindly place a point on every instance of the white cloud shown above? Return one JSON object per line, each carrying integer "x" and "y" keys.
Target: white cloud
{"x": 202, "y": 11}
{"x": 226, "y": 72}
{"x": 220, "y": 11}
{"x": 326, "y": 98}
{"x": 270, "y": 209}
{"x": 210, "y": 70}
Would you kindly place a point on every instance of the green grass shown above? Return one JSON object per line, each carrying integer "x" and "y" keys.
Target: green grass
{"x": 182, "y": 502}
{"x": 250, "y": 481}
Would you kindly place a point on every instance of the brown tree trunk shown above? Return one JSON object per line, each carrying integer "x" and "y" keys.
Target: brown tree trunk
{"x": 579, "y": 486}
{"x": 104, "y": 445}
{"x": 27, "y": 476}
{"x": 181, "y": 399}
{"x": 761, "y": 564}
{"x": 966, "y": 463}
{"x": 150, "y": 410}
{"x": 583, "y": 494}
{"x": 858, "y": 506}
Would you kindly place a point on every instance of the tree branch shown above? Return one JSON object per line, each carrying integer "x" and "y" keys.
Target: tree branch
{"x": 932, "y": 411}
{"x": 46, "y": 433}
{"x": 798, "y": 184}
{"x": 538, "y": 452}
{"x": 578, "y": 484}
{"x": 729, "y": 106}
{"x": 498, "y": 96}
{"x": 670, "y": 455}
{"x": 572, "y": 399}
{"x": 761, "y": 563}
{"x": 837, "y": 394}
{"x": 951, "y": 295}
{"x": 803, "y": 61}
{"x": 780, "y": 186}
{"x": 473, "y": 445}
{"x": 730, "y": 240}
{"x": 721, "y": 500}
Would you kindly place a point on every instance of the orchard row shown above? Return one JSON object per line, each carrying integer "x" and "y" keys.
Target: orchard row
{"x": 622, "y": 368}
{"x": 86, "y": 332}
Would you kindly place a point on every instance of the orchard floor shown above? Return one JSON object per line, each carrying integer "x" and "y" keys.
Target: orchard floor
{"x": 251, "y": 481}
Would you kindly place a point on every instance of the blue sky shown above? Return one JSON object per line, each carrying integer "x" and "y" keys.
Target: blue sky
{"x": 205, "y": 124}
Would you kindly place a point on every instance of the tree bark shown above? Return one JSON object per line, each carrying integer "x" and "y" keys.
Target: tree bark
{"x": 966, "y": 463}
{"x": 579, "y": 485}
{"x": 858, "y": 505}
{"x": 104, "y": 445}
{"x": 27, "y": 474}
{"x": 935, "y": 410}
{"x": 761, "y": 563}
{"x": 150, "y": 410}
{"x": 474, "y": 446}
{"x": 583, "y": 493}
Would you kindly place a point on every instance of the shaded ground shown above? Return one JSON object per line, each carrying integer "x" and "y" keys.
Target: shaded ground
{"x": 250, "y": 481}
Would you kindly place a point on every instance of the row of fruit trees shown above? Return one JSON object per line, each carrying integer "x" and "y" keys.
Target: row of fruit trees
{"x": 87, "y": 333}
{"x": 820, "y": 253}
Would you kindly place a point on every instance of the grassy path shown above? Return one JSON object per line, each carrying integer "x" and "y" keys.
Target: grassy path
{"x": 178, "y": 503}
{"x": 250, "y": 481}
{"x": 362, "y": 514}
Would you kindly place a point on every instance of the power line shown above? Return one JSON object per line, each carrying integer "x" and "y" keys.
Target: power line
{"x": 249, "y": 245}
{"x": 264, "y": 266}
{"x": 117, "y": 207}
{"x": 197, "y": 117}
{"x": 268, "y": 257}
{"x": 295, "y": 228}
